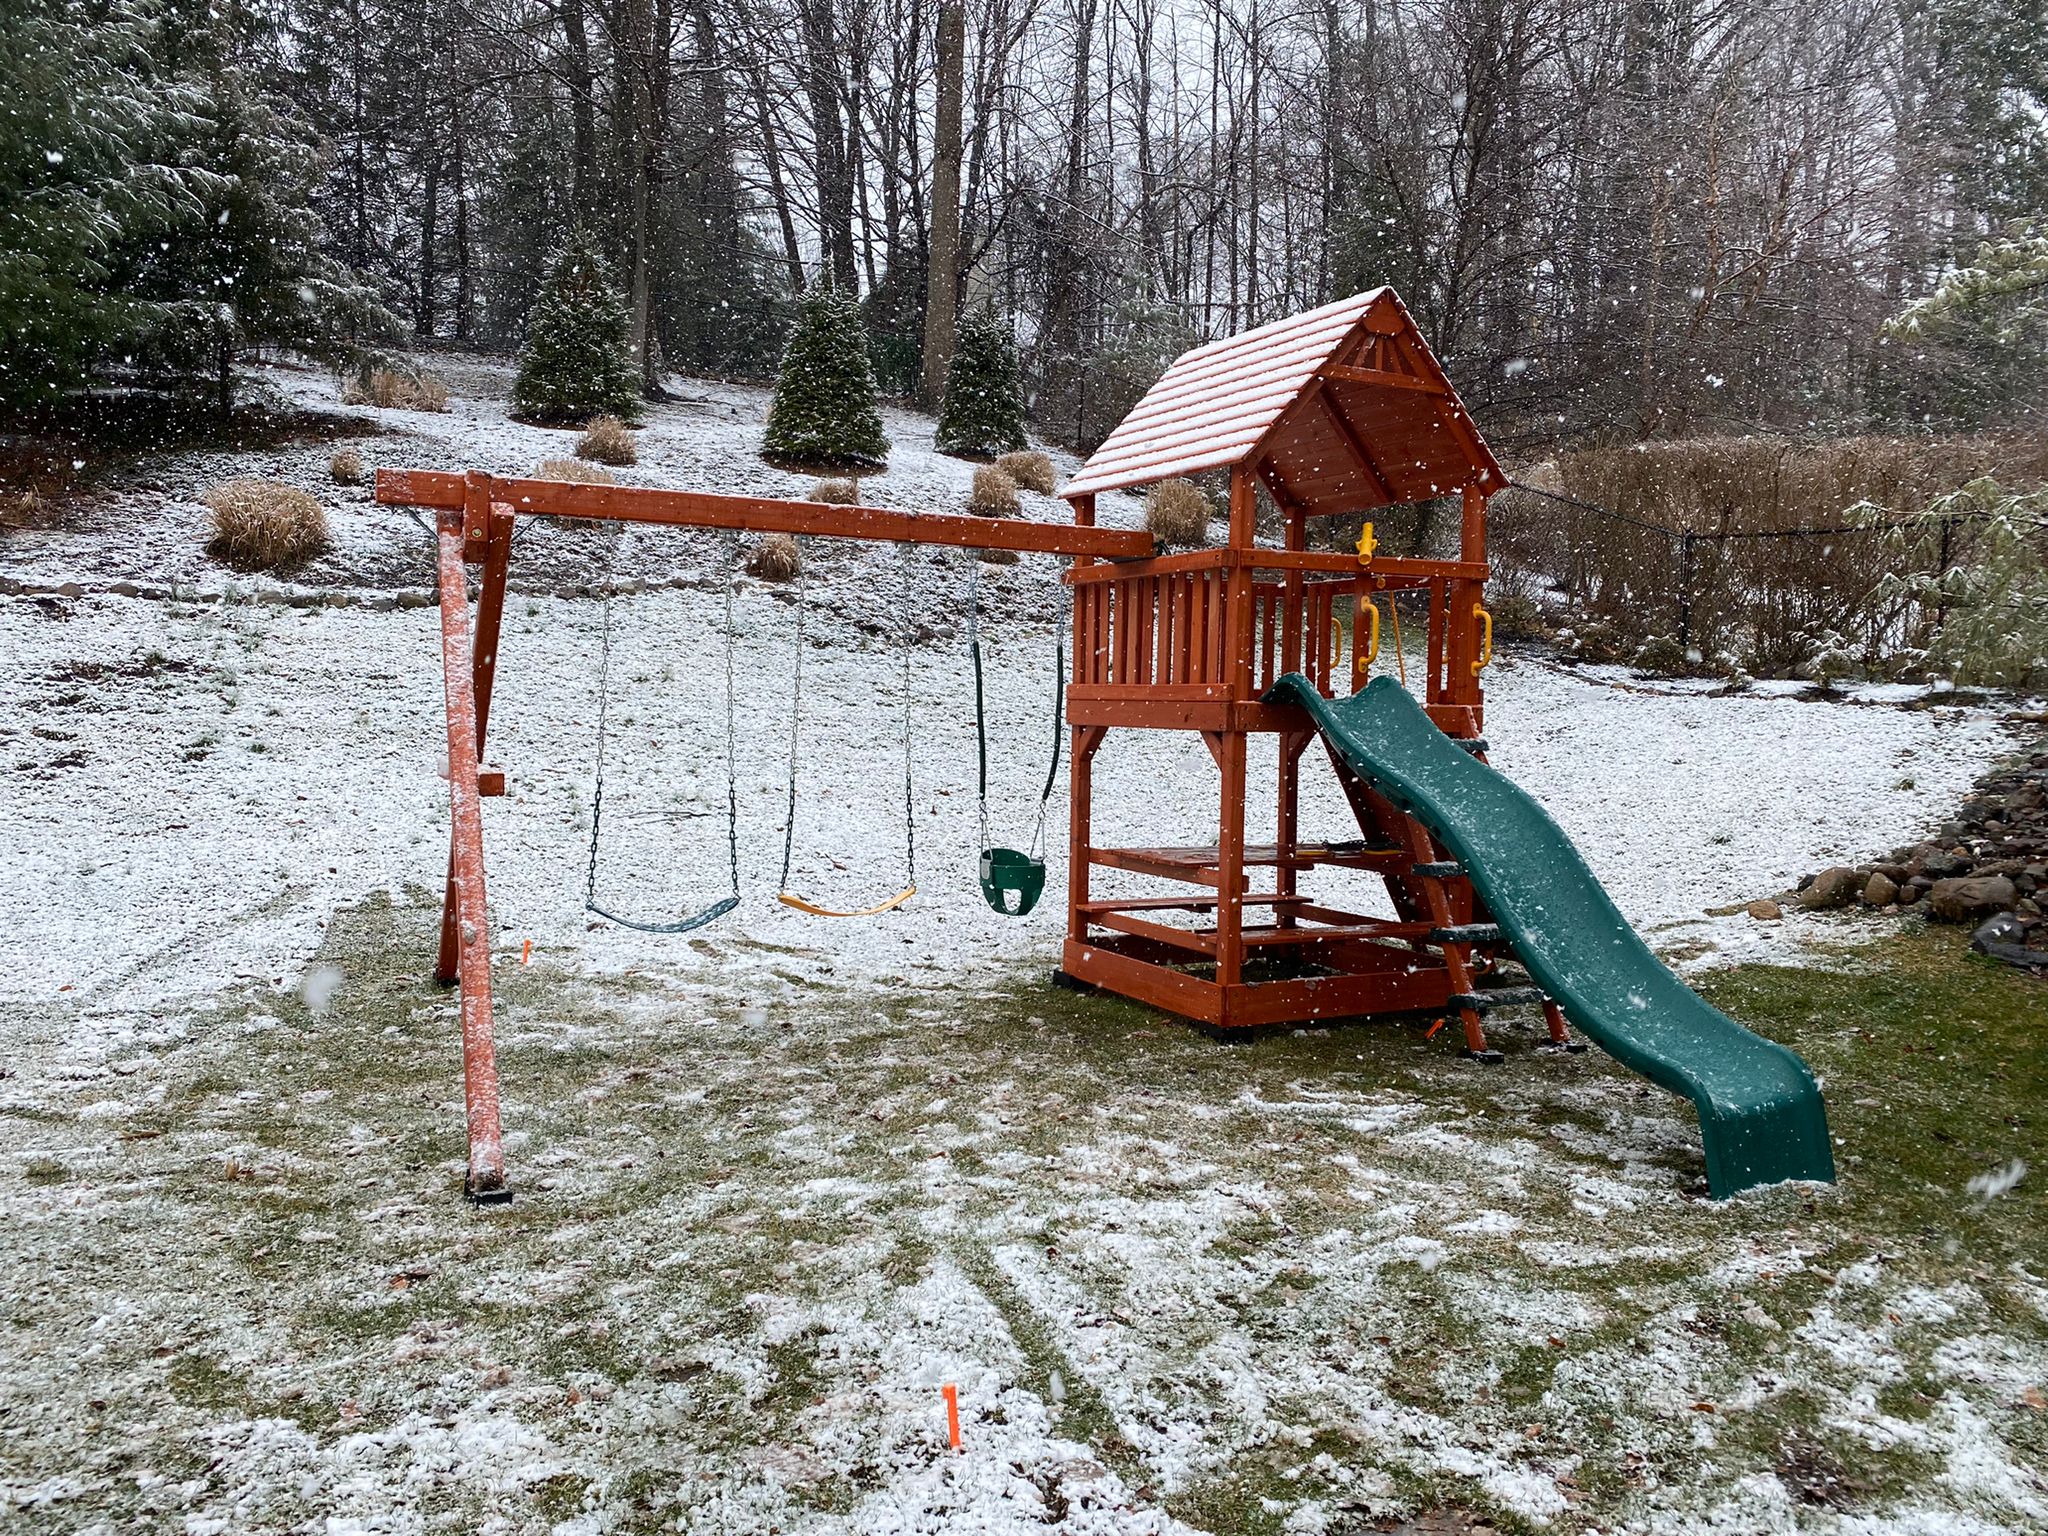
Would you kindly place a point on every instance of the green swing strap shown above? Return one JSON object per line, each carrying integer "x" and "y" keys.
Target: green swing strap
{"x": 717, "y": 909}
{"x": 1011, "y": 881}
{"x": 785, "y": 895}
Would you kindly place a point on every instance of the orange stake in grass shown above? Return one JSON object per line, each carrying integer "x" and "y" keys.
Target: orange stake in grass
{"x": 526, "y": 954}
{"x": 951, "y": 1394}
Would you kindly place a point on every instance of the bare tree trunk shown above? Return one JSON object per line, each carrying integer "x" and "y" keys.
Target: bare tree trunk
{"x": 1061, "y": 334}
{"x": 778, "y": 187}
{"x": 942, "y": 271}
{"x": 582, "y": 113}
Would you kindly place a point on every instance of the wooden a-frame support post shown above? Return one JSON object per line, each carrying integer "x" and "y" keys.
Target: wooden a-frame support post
{"x": 481, "y": 534}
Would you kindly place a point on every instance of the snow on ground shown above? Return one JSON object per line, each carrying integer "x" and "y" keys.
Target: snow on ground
{"x": 782, "y": 1179}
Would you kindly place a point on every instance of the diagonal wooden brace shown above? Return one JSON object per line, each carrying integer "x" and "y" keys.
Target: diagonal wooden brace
{"x": 466, "y": 947}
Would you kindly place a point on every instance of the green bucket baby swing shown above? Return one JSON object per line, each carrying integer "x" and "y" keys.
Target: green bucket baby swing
{"x": 1012, "y": 880}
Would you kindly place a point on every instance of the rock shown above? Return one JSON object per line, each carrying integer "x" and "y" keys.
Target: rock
{"x": 1958, "y": 901}
{"x": 2003, "y": 938}
{"x": 1908, "y": 894}
{"x": 1881, "y": 890}
{"x": 1764, "y": 910}
{"x": 1939, "y": 864}
{"x": 1831, "y": 888}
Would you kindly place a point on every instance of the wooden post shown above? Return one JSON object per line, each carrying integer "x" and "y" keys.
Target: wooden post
{"x": 1081, "y": 744}
{"x": 470, "y": 927}
{"x": 1462, "y": 686}
{"x": 1229, "y": 747}
{"x": 490, "y": 613}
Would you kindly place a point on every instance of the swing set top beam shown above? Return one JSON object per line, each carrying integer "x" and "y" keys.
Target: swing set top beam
{"x": 701, "y": 509}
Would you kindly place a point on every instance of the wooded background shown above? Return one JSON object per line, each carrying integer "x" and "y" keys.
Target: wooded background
{"x": 1613, "y": 218}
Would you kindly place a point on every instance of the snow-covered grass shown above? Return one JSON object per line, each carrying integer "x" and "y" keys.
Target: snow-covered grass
{"x": 782, "y": 1179}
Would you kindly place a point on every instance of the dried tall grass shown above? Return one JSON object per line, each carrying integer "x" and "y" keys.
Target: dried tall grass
{"x": 608, "y": 440}
{"x": 994, "y": 493}
{"x": 774, "y": 558}
{"x": 1737, "y": 580}
{"x": 837, "y": 493}
{"x": 389, "y": 389}
{"x": 260, "y": 525}
{"x": 1177, "y": 514}
{"x": 346, "y": 467}
{"x": 1031, "y": 470}
{"x": 575, "y": 471}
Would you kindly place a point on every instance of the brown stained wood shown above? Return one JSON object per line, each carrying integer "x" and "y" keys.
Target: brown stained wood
{"x": 700, "y": 509}
{"x": 1188, "y": 903}
{"x": 1381, "y": 378}
{"x": 1437, "y": 611}
{"x": 1353, "y": 443}
{"x": 1192, "y": 997}
{"x": 1199, "y": 941}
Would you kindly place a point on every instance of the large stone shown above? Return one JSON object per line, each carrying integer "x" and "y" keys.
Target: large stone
{"x": 1835, "y": 887}
{"x": 1881, "y": 891}
{"x": 1764, "y": 910}
{"x": 1939, "y": 864}
{"x": 1957, "y": 901}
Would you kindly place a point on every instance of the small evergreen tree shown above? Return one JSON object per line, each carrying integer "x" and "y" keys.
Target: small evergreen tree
{"x": 824, "y": 407}
{"x": 576, "y": 363}
{"x": 982, "y": 413}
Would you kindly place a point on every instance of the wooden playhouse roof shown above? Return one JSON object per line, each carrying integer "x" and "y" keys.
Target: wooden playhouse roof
{"x": 1339, "y": 409}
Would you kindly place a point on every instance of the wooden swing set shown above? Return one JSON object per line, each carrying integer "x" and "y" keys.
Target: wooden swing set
{"x": 1341, "y": 410}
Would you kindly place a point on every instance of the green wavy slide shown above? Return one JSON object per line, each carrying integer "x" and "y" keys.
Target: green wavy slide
{"x": 1761, "y": 1115}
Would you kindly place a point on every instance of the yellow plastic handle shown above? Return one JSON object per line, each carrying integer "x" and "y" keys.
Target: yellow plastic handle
{"x": 1372, "y": 644}
{"x": 790, "y": 899}
{"x": 1486, "y": 639}
{"x": 1336, "y": 644}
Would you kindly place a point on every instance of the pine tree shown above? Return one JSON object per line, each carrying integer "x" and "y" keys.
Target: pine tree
{"x": 824, "y": 410}
{"x": 982, "y": 413}
{"x": 576, "y": 363}
{"x": 153, "y": 206}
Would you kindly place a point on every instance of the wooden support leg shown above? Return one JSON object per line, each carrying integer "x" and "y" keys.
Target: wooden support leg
{"x": 490, "y": 614}
{"x": 466, "y": 920}
{"x": 1081, "y": 783}
{"x": 1287, "y": 822}
{"x": 1230, "y": 753}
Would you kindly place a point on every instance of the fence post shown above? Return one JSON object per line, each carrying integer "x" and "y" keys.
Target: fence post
{"x": 1948, "y": 533}
{"x": 1685, "y": 590}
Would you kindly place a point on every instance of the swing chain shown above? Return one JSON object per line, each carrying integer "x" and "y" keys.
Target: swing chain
{"x": 604, "y": 694}
{"x": 1036, "y": 848}
{"x": 909, "y": 790}
{"x": 1059, "y": 681}
{"x": 796, "y": 718}
{"x": 796, "y": 714}
{"x": 732, "y": 798}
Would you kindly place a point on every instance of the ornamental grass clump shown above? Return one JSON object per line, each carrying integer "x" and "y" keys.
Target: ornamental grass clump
{"x": 575, "y": 471}
{"x": 1031, "y": 470}
{"x": 774, "y": 558}
{"x": 607, "y": 440}
{"x": 262, "y": 525}
{"x": 836, "y": 493}
{"x": 390, "y": 389}
{"x": 346, "y": 467}
{"x": 1177, "y": 514}
{"x": 994, "y": 493}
